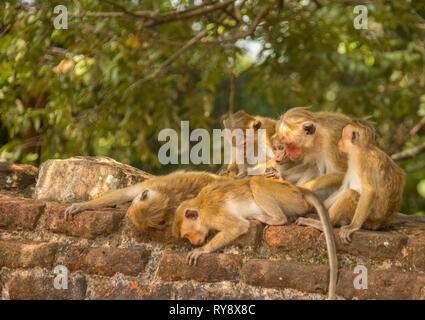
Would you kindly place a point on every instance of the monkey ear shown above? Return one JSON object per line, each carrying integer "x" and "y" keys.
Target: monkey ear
{"x": 191, "y": 214}
{"x": 355, "y": 137}
{"x": 256, "y": 124}
{"x": 144, "y": 194}
{"x": 309, "y": 128}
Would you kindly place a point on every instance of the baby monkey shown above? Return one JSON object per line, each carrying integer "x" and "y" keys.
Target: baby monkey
{"x": 280, "y": 163}
{"x": 372, "y": 188}
{"x": 226, "y": 206}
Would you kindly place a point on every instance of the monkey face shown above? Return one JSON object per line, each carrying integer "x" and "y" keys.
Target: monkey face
{"x": 192, "y": 227}
{"x": 280, "y": 154}
{"x": 298, "y": 135}
{"x": 349, "y": 137}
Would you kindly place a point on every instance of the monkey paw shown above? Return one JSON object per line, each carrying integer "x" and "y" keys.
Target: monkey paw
{"x": 345, "y": 233}
{"x": 192, "y": 257}
{"x": 301, "y": 222}
{"x": 71, "y": 210}
{"x": 272, "y": 173}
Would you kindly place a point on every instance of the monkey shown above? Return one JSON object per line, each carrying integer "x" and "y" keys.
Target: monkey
{"x": 227, "y": 205}
{"x": 154, "y": 200}
{"x": 372, "y": 188}
{"x": 280, "y": 163}
{"x": 312, "y": 137}
{"x": 242, "y": 120}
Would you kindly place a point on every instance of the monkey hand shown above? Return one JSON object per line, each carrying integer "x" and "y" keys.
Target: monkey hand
{"x": 241, "y": 174}
{"x": 223, "y": 172}
{"x": 272, "y": 173}
{"x": 192, "y": 256}
{"x": 73, "y": 209}
{"x": 345, "y": 233}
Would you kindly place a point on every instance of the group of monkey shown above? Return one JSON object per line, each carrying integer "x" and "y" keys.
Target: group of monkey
{"x": 322, "y": 161}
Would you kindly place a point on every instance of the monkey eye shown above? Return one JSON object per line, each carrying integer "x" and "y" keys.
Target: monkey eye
{"x": 309, "y": 128}
{"x": 280, "y": 147}
{"x": 274, "y": 148}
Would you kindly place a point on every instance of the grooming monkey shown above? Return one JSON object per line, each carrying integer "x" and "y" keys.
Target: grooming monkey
{"x": 154, "y": 200}
{"x": 243, "y": 121}
{"x": 371, "y": 192}
{"x": 280, "y": 163}
{"x": 313, "y": 138}
{"x": 226, "y": 205}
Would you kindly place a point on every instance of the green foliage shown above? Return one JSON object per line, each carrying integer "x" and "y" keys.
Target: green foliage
{"x": 65, "y": 92}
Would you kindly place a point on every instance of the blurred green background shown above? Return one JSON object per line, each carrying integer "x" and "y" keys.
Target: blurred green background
{"x": 124, "y": 70}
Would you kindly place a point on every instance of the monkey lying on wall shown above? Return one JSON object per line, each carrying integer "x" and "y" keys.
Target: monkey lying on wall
{"x": 242, "y": 120}
{"x": 154, "y": 200}
{"x": 313, "y": 138}
{"x": 371, "y": 192}
{"x": 226, "y": 205}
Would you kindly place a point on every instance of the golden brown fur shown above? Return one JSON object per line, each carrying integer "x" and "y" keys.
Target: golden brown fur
{"x": 154, "y": 200}
{"x": 226, "y": 206}
{"x": 313, "y": 138}
{"x": 371, "y": 192}
{"x": 244, "y": 121}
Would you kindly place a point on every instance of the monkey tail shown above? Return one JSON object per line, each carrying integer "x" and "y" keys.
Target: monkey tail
{"x": 315, "y": 201}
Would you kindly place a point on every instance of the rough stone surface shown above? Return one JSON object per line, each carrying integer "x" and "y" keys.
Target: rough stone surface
{"x": 107, "y": 261}
{"x": 17, "y": 254}
{"x": 41, "y": 287}
{"x": 284, "y": 274}
{"x": 84, "y": 178}
{"x": 211, "y": 267}
{"x": 87, "y": 224}
{"x": 383, "y": 285}
{"x": 20, "y": 214}
{"x": 108, "y": 258}
{"x": 17, "y": 176}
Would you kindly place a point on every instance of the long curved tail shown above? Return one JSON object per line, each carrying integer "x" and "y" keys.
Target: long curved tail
{"x": 315, "y": 201}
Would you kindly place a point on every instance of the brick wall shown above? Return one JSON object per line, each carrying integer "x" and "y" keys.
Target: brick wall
{"x": 108, "y": 258}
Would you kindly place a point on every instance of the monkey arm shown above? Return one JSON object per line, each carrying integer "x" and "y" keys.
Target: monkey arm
{"x": 227, "y": 235}
{"x": 327, "y": 181}
{"x": 295, "y": 173}
{"x": 111, "y": 198}
{"x": 364, "y": 205}
{"x": 311, "y": 173}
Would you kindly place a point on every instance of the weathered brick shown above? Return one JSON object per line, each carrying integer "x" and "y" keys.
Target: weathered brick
{"x": 211, "y": 267}
{"x": 19, "y": 214}
{"x": 107, "y": 261}
{"x": 382, "y": 285}
{"x": 416, "y": 251}
{"x": 17, "y": 176}
{"x": 87, "y": 224}
{"x": 291, "y": 237}
{"x": 125, "y": 290}
{"x": 284, "y": 274}
{"x": 41, "y": 287}
{"x": 119, "y": 290}
{"x": 17, "y": 254}
{"x": 373, "y": 244}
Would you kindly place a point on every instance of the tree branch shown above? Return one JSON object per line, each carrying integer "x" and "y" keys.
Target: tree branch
{"x": 409, "y": 154}
{"x": 262, "y": 13}
{"x": 167, "y": 63}
{"x": 160, "y": 18}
